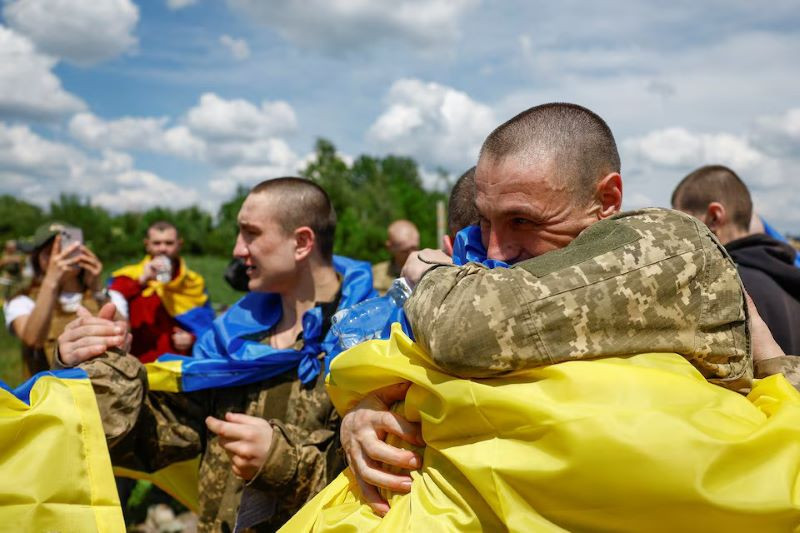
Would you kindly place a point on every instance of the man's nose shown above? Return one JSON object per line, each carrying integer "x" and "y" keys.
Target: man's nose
{"x": 500, "y": 248}
{"x": 239, "y": 249}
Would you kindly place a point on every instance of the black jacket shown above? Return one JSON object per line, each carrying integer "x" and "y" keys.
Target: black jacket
{"x": 767, "y": 269}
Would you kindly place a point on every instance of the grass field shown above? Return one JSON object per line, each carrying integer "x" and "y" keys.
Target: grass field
{"x": 210, "y": 267}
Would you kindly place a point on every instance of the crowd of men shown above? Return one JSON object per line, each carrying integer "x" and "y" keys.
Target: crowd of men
{"x": 546, "y": 194}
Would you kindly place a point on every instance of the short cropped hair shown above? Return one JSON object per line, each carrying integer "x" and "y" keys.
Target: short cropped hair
{"x": 578, "y": 141}
{"x": 302, "y": 202}
{"x": 715, "y": 183}
{"x": 161, "y": 225}
{"x": 461, "y": 210}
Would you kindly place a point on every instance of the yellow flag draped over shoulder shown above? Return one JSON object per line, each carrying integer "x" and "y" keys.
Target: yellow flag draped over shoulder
{"x": 55, "y": 472}
{"x": 622, "y": 444}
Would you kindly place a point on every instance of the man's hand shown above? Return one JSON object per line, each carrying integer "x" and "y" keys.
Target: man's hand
{"x": 246, "y": 440}
{"x": 88, "y": 336}
{"x": 181, "y": 339}
{"x": 764, "y": 345}
{"x": 420, "y": 262}
{"x": 362, "y": 434}
{"x": 150, "y": 269}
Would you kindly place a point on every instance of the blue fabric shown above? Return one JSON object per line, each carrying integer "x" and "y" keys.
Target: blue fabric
{"x": 197, "y": 320}
{"x": 23, "y": 392}
{"x": 468, "y": 248}
{"x": 775, "y": 234}
{"x": 227, "y": 354}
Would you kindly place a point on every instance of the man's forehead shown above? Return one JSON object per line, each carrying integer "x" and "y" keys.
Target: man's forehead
{"x": 257, "y": 209}
{"x": 514, "y": 171}
{"x": 162, "y": 234}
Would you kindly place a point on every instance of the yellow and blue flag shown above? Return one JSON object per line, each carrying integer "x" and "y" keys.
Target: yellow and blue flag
{"x": 642, "y": 443}
{"x": 55, "y": 471}
{"x": 184, "y": 297}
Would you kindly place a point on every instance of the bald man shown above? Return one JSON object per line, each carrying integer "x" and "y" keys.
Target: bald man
{"x": 402, "y": 239}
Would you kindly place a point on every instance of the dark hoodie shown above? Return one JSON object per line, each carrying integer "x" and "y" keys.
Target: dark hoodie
{"x": 767, "y": 269}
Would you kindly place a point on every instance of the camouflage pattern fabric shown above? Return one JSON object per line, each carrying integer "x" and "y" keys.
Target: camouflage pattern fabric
{"x": 148, "y": 430}
{"x": 383, "y": 274}
{"x": 788, "y": 365}
{"x": 653, "y": 280}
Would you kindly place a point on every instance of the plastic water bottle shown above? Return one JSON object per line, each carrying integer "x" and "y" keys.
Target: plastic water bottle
{"x": 366, "y": 320}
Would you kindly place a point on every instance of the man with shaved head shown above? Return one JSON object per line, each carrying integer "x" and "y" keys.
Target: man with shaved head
{"x": 267, "y": 436}
{"x": 718, "y": 197}
{"x": 586, "y": 281}
{"x": 402, "y": 239}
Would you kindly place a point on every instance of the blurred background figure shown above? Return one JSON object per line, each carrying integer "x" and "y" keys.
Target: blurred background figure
{"x": 402, "y": 239}
{"x": 165, "y": 302}
{"x": 66, "y": 276}
{"x": 720, "y": 199}
{"x": 12, "y": 263}
{"x": 461, "y": 210}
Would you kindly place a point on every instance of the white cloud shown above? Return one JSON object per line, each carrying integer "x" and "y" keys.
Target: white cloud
{"x": 439, "y": 125}
{"x": 180, "y": 4}
{"x": 38, "y": 169}
{"x": 238, "y": 48}
{"x": 237, "y": 138}
{"x": 28, "y": 87}
{"x": 217, "y": 118}
{"x": 137, "y": 190}
{"x": 779, "y": 134}
{"x": 333, "y": 25}
{"x": 81, "y": 31}
{"x": 136, "y": 133}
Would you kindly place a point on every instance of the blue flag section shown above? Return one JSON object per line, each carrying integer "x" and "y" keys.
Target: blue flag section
{"x": 230, "y": 352}
{"x": 468, "y": 248}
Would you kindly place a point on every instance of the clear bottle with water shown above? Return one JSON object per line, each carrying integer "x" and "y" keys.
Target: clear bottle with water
{"x": 367, "y": 320}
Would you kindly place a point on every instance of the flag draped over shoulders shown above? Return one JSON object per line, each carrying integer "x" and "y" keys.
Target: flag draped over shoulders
{"x": 642, "y": 443}
{"x": 230, "y": 352}
{"x": 56, "y": 471}
{"x": 184, "y": 297}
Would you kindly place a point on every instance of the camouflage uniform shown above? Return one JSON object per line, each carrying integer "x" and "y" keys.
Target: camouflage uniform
{"x": 383, "y": 274}
{"x": 653, "y": 280}
{"x": 148, "y": 430}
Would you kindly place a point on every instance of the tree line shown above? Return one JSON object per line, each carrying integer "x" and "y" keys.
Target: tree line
{"x": 367, "y": 195}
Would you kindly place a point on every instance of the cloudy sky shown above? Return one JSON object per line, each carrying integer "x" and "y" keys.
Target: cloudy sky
{"x": 175, "y": 102}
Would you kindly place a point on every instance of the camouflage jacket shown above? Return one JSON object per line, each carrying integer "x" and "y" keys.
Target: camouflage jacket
{"x": 148, "y": 430}
{"x": 653, "y": 280}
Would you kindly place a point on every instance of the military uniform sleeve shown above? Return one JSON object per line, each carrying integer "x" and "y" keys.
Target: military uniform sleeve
{"x": 645, "y": 281}
{"x": 300, "y": 460}
{"x": 145, "y": 430}
{"x": 788, "y": 365}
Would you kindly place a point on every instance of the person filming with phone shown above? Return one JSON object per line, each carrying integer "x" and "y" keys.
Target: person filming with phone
{"x": 66, "y": 275}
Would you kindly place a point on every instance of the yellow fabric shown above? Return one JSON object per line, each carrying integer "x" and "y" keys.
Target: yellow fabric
{"x": 183, "y": 293}
{"x": 56, "y": 472}
{"x": 625, "y": 444}
{"x": 179, "y": 480}
{"x": 164, "y": 375}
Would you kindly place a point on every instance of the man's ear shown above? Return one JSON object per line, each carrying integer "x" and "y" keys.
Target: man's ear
{"x": 447, "y": 245}
{"x": 716, "y": 217}
{"x": 609, "y": 195}
{"x": 304, "y": 239}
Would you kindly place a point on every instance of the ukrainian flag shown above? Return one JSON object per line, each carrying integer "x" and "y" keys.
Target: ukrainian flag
{"x": 642, "y": 443}
{"x": 55, "y": 468}
{"x": 184, "y": 297}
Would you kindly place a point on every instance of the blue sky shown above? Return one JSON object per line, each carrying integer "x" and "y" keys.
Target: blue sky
{"x": 176, "y": 102}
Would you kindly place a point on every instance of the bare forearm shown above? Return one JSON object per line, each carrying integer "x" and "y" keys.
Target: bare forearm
{"x": 34, "y": 331}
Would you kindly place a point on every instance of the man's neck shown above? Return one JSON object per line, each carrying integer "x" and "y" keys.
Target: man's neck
{"x": 730, "y": 233}
{"x": 314, "y": 283}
